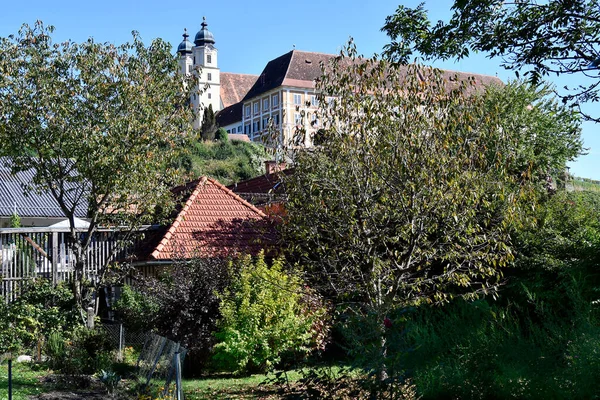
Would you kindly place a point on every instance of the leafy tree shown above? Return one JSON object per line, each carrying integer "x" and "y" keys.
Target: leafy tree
{"x": 263, "y": 316}
{"x": 184, "y": 303}
{"x": 209, "y": 124}
{"x": 98, "y": 124}
{"x": 418, "y": 183}
{"x": 553, "y": 37}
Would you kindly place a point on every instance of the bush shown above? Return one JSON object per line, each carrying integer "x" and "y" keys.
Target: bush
{"x": 221, "y": 135}
{"x": 188, "y": 306}
{"x": 136, "y": 310}
{"x": 83, "y": 353}
{"x": 41, "y": 309}
{"x": 263, "y": 317}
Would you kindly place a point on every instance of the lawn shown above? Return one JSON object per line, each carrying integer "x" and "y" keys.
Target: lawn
{"x": 26, "y": 381}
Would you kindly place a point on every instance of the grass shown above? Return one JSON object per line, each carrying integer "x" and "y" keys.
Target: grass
{"x": 228, "y": 387}
{"x": 25, "y": 380}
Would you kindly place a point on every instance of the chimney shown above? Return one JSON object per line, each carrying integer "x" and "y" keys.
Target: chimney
{"x": 273, "y": 167}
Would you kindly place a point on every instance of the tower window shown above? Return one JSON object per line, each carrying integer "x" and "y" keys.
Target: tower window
{"x": 210, "y": 95}
{"x": 208, "y": 59}
{"x": 209, "y": 76}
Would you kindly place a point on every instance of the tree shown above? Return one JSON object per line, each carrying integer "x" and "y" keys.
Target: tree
{"x": 412, "y": 196}
{"x": 209, "y": 124}
{"x": 553, "y": 37}
{"x": 98, "y": 124}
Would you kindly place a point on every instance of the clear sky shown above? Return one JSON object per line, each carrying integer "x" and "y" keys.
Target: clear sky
{"x": 250, "y": 33}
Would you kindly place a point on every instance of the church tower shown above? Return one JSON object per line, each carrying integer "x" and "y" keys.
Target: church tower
{"x": 202, "y": 57}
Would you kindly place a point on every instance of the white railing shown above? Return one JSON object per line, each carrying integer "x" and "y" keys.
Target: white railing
{"x": 27, "y": 253}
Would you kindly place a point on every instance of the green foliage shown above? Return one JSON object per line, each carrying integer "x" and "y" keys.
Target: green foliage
{"x": 15, "y": 221}
{"x": 262, "y": 317}
{"x": 419, "y": 191}
{"x": 103, "y": 121}
{"x": 83, "y": 351}
{"x": 545, "y": 38}
{"x": 228, "y": 161}
{"x": 209, "y": 124}
{"x": 40, "y": 310}
{"x": 136, "y": 310}
{"x": 483, "y": 350}
{"x": 221, "y": 135}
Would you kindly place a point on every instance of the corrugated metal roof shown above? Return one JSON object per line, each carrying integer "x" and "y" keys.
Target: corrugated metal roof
{"x": 17, "y": 195}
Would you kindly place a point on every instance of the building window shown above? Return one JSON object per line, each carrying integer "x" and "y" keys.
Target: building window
{"x": 297, "y": 118}
{"x": 298, "y": 99}
{"x": 275, "y": 100}
{"x": 255, "y": 126}
{"x": 209, "y": 76}
{"x": 265, "y": 104}
{"x": 314, "y": 120}
{"x": 247, "y": 110}
{"x": 314, "y": 101}
{"x": 276, "y": 119}
{"x": 209, "y": 96}
{"x": 265, "y": 123}
{"x": 247, "y": 129}
{"x": 239, "y": 129}
{"x": 208, "y": 59}
{"x": 256, "y": 107}
{"x": 190, "y": 68}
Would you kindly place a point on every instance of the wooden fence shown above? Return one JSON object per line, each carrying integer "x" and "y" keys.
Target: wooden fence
{"x": 27, "y": 253}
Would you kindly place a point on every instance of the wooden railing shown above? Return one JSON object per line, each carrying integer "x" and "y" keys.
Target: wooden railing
{"x": 27, "y": 253}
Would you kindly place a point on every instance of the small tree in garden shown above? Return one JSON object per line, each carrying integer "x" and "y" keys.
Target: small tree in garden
{"x": 263, "y": 317}
{"x": 98, "y": 124}
{"x": 417, "y": 183}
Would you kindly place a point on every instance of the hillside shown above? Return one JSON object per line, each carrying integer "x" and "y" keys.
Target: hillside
{"x": 226, "y": 161}
{"x": 577, "y": 184}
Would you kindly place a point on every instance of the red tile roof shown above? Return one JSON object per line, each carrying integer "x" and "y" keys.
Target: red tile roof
{"x": 214, "y": 221}
{"x": 234, "y": 87}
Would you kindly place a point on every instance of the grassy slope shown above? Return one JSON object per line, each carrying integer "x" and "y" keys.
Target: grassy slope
{"x": 228, "y": 162}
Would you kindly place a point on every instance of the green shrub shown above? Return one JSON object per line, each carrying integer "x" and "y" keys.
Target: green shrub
{"x": 221, "y": 135}
{"x": 84, "y": 353}
{"x": 262, "y": 317}
{"x": 136, "y": 310}
{"x": 40, "y": 309}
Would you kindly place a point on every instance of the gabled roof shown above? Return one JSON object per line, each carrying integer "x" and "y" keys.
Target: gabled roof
{"x": 301, "y": 69}
{"x": 212, "y": 222}
{"x": 234, "y": 87}
{"x": 296, "y": 68}
{"x": 15, "y": 197}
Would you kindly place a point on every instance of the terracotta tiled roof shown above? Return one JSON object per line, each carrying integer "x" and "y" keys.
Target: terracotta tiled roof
{"x": 212, "y": 222}
{"x": 268, "y": 183}
{"x": 302, "y": 68}
{"x": 234, "y": 87}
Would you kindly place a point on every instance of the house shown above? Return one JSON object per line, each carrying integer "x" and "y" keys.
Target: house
{"x": 35, "y": 208}
{"x": 212, "y": 221}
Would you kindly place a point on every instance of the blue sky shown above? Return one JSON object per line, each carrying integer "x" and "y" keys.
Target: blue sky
{"x": 250, "y": 33}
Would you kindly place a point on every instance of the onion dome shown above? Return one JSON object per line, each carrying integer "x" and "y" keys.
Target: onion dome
{"x": 186, "y": 46}
{"x": 204, "y": 36}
